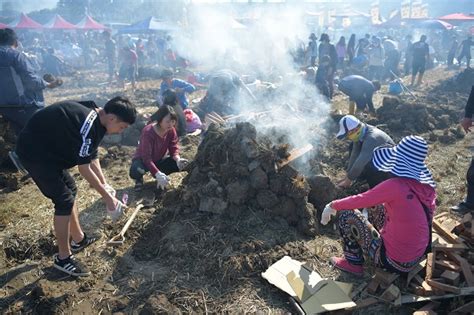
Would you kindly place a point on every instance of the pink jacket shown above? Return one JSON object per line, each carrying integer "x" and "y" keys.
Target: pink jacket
{"x": 405, "y": 233}
{"x": 153, "y": 148}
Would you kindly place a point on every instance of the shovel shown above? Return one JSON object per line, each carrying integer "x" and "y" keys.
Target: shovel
{"x": 119, "y": 239}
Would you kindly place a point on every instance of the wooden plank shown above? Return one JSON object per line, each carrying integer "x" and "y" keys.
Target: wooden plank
{"x": 465, "y": 267}
{"x": 465, "y": 309}
{"x": 442, "y": 214}
{"x": 415, "y": 271}
{"x": 296, "y": 153}
{"x": 444, "y": 287}
{"x": 373, "y": 285}
{"x": 445, "y": 233}
{"x": 430, "y": 260}
{"x": 385, "y": 278}
{"x": 358, "y": 290}
{"x": 391, "y": 293}
{"x": 451, "y": 277}
{"x": 449, "y": 247}
{"x": 412, "y": 298}
{"x": 418, "y": 279}
{"x": 447, "y": 264}
{"x": 428, "y": 290}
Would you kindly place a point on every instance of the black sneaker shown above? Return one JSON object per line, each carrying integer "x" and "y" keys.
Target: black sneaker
{"x": 86, "y": 241}
{"x": 70, "y": 266}
{"x": 16, "y": 161}
{"x": 463, "y": 207}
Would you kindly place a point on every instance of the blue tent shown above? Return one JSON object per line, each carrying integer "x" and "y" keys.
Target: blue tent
{"x": 150, "y": 24}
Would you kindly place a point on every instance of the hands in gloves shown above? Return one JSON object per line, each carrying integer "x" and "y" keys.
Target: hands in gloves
{"x": 328, "y": 212}
{"x": 110, "y": 190}
{"x": 115, "y": 208}
{"x": 161, "y": 180}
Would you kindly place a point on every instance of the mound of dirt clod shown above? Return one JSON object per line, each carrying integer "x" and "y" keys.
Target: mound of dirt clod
{"x": 404, "y": 118}
{"x": 22, "y": 247}
{"x": 462, "y": 82}
{"x": 234, "y": 169}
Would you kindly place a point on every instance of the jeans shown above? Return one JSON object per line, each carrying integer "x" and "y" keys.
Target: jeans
{"x": 138, "y": 168}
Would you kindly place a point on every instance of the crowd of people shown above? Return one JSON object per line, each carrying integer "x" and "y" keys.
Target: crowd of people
{"x": 393, "y": 227}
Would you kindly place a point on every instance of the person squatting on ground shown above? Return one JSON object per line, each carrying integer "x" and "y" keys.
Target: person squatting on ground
{"x": 360, "y": 92}
{"x": 181, "y": 87}
{"x": 21, "y": 88}
{"x": 62, "y": 136}
{"x": 398, "y": 235}
{"x": 466, "y": 123}
{"x": 420, "y": 56}
{"x": 157, "y": 139}
{"x": 364, "y": 139}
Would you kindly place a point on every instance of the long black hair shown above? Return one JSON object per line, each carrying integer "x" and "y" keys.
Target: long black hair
{"x": 162, "y": 112}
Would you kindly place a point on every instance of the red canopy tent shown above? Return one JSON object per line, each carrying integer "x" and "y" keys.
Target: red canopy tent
{"x": 88, "y": 23}
{"x": 25, "y": 22}
{"x": 58, "y": 23}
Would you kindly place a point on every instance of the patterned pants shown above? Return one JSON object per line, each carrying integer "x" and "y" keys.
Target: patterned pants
{"x": 361, "y": 236}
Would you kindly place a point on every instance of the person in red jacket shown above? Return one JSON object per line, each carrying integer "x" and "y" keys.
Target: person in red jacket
{"x": 397, "y": 235}
{"x": 157, "y": 139}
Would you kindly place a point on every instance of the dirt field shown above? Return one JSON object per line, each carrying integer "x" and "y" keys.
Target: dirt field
{"x": 178, "y": 259}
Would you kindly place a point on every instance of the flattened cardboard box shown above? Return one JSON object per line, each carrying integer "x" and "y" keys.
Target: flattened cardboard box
{"x": 315, "y": 294}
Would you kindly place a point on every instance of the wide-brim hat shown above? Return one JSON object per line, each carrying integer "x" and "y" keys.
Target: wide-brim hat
{"x": 406, "y": 159}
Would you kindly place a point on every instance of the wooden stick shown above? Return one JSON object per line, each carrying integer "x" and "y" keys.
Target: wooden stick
{"x": 445, "y": 233}
{"x": 415, "y": 271}
{"x": 411, "y": 298}
{"x": 444, "y": 287}
{"x": 120, "y": 238}
{"x": 296, "y": 153}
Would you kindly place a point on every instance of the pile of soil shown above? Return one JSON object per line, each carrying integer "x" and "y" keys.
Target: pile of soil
{"x": 235, "y": 169}
{"x": 462, "y": 82}
{"x": 405, "y": 118}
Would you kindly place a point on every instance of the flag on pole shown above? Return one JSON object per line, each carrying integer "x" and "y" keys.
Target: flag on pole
{"x": 375, "y": 12}
{"x": 405, "y": 9}
{"x": 425, "y": 13}
{"x": 416, "y": 9}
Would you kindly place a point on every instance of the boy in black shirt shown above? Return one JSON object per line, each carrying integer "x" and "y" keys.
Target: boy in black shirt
{"x": 57, "y": 138}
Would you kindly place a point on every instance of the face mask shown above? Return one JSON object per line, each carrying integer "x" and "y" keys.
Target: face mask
{"x": 355, "y": 136}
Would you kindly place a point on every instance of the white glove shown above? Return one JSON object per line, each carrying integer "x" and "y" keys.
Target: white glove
{"x": 161, "y": 180}
{"x": 117, "y": 212}
{"x": 182, "y": 163}
{"x": 110, "y": 190}
{"x": 328, "y": 212}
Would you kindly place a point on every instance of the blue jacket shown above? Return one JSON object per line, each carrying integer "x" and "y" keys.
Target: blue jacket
{"x": 177, "y": 83}
{"x": 19, "y": 84}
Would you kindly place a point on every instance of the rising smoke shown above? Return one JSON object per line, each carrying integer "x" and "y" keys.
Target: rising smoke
{"x": 261, "y": 49}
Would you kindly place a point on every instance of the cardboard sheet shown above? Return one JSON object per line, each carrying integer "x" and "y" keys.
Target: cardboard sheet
{"x": 313, "y": 293}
